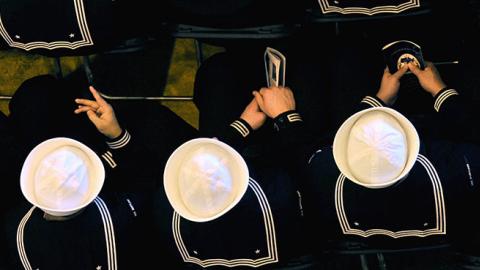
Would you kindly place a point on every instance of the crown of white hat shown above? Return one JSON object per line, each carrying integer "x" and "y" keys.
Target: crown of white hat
{"x": 61, "y": 176}
{"x": 376, "y": 147}
{"x": 204, "y": 178}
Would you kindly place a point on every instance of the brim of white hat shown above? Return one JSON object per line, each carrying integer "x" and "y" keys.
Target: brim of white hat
{"x": 341, "y": 141}
{"x": 97, "y": 175}
{"x": 238, "y": 170}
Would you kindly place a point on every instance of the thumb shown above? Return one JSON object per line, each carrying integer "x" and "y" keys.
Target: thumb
{"x": 401, "y": 71}
{"x": 258, "y": 99}
{"x": 386, "y": 70}
{"x": 414, "y": 69}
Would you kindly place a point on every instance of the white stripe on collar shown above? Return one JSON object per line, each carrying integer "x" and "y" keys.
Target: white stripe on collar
{"x": 328, "y": 6}
{"x": 270, "y": 238}
{"x": 109, "y": 233}
{"x": 82, "y": 25}
{"x": 439, "y": 228}
{"x": 20, "y": 243}
{"x": 107, "y": 226}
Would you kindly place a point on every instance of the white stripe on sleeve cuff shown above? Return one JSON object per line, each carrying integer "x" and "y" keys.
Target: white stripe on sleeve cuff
{"x": 442, "y": 97}
{"x": 121, "y": 142}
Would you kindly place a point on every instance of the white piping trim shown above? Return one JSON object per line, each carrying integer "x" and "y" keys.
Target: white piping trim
{"x": 268, "y": 217}
{"x": 82, "y": 25}
{"x": 130, "y": 204}
{"x": 440, "y": 227}
{"x": 294, "y": 117}
{"x": 109, "y": 159}
{"x": 109, "y": 233}
{"x": 107, "y": 228}
{"x": 442, "y": 97}
{"x": 433, "y": 174}
{"x": 327, "y": 8}
{"x": 371, "y": 101}
{"x": 270, "y": 237}
{"x": 124, "y": 140}
{"x": 20, "y": 240}
{"x": 240, "y": 127}
{"x": 313, "y": 155}
{"x": 300, "y": 204}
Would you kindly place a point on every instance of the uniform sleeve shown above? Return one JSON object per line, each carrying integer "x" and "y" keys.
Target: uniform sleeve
{"x": 366, "y": 103}
{"x": 369, "y": 102}
{"x": 236, "y": 134}
{"x": 129, "y": 164}
{"x": 291, "y": 130}
{"x": 453, "y": 116}
{"x": 296, "y": 143}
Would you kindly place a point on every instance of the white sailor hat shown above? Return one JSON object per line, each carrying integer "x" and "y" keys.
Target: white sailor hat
{"x": 376, "y": 147}
{"x": 61, "y": 176}
{"x": 204, "y": 178}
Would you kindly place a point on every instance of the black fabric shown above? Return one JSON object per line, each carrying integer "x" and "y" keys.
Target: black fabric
{"x": 223, "y": 88}
{"x": 233, "y": 14}
{"x": 10, "y": 163}
{"x": 224, "y": 83}
{"x": 369, "y": 4}
{"x": 159, "y": 130}
{"x": 234, "y": 138}
{"x": 427, "y": 25}
{"x": 82, "y": 27}
{"x": 43, "y": 108}
{"x": 344, "y": 11}
{"x": 240, "y": 233}
{"x": 358, "y": 70}
{"x": 141, "y": 69}
{"x": 80, "y": 243}
{"x": 387, "y": 208}
{"x": 163, "y": 234}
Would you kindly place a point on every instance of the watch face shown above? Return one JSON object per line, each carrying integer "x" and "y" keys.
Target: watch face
{"x": 405, "y": 59}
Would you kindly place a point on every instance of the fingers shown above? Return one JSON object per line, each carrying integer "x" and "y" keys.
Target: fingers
{"x": 84, "y": 109}
{"x": 87, "y": 102}
{"x": 401, "y": 72}
{"x": 99, "y": 111}
{"x": 98, "y": 106}
{"x": 97, "y": 96}
{"x": 93, "y": 117}
{"x": 258, "y": 99}
{"x": 254, "y": 105}
{"x": 429, "y": 64}
{"x": 414, "y": 68}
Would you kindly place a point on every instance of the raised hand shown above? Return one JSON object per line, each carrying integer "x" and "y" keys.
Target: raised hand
{"x": 100, "y": 113}
{"x": 275, "y": 100}
{"x": 429, "y": 78}
{"x": 390, "y": 84}
{"x": 253, "y": 115}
